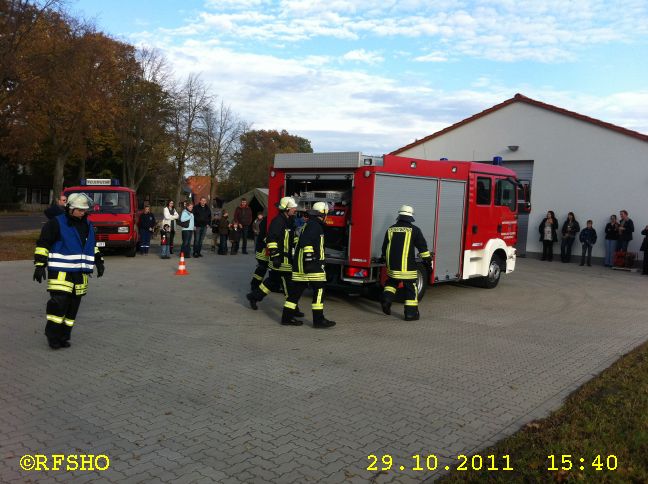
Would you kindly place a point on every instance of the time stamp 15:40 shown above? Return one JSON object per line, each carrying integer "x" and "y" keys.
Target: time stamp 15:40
{"x": 430, "y": 462}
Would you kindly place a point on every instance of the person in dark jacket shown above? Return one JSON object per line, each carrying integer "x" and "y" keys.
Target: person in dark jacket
{"x": 398, "y": 252}
{"x": 202, "y": 218}
{"x": 146, "y": 225}
{"x": 611, "y": 236}
{"x": 548, "y": 235}
{"x": 644, "y": 249}
{"x": 626, "y": 228}
{"x": 260, "y": 253}
{"x": 243, "y": 214}
{"x": 569, "y": 230}
{"x": 66, "y": 248}
{"x": 223, "y": 232}
{"x": 57, "y": 208}
{"x": 587, "y": 237}
{"x": 279, "y": 245}
{"x": 308, "y": 270}
{"x": 234, "y": 236}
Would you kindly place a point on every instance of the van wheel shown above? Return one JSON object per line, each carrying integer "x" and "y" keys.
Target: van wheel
{"x": 495, "y": 269}
{"x": 132, "y": 251}
{"x": 422, "y": 280}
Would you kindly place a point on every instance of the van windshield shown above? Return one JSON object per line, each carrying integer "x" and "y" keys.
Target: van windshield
{"x": 108, "y": 201}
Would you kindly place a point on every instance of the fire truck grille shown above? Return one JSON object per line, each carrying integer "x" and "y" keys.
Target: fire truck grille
{"x": 101, "y": 230}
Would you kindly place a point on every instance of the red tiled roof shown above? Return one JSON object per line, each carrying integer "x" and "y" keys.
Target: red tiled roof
{"x": 200, "y": 185}
{"x": 532, "y": 102}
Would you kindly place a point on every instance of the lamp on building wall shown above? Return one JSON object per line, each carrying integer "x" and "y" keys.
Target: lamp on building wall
{"x": 513, "y": 147}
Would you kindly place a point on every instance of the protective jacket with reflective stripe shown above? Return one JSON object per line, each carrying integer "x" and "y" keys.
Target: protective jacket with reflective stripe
{"x": 69, "y": 253}
{"x": 260, "y": 248}
{"x": 398, "y": 249}
{"x": 279, "y": 240}
{"x": 309, "y": 254}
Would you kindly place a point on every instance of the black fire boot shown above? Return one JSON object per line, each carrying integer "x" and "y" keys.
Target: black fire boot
{"x": 288, "y": 318}
{"x": 385, "y": 303}
{"x": 412, "y": 313}
{"x": 319, "y": 321}
{"x": 251, "y": 297}
{"x": 298, "y": 313}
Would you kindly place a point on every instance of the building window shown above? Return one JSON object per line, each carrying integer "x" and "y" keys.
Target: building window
{"x": 483, "y": 191}
{"x": 505, "y": 194}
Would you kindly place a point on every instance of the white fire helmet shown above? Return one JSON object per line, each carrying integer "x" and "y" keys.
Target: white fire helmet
{"x": 79, "y": 200}
{"x": 287, "y": 202}
{"x": 319, "y": 208}
{"x": 406, "y": 210}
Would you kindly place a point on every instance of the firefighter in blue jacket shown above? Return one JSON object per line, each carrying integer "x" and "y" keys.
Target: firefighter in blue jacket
{"x": 308, "y": 270}
{"x": 398, "y": 252}
{"x": 279, "y": 245}
{"x": 66, "y": 247}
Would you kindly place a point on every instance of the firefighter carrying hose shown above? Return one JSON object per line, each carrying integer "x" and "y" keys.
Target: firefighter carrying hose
{"x": 66, "y": 247}
{"x": 398, "y": 252}
{"x": 308, "y": 269}
{"x": 279, "y": 245}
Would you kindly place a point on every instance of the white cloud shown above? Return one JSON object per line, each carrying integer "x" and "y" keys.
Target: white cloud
{"x": 435, "y": 56}
{"x": 361, "y": 55}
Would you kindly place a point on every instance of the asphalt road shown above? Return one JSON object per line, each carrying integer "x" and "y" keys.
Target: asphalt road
{"x": 23, "y": 221}
{"x": 175, "y": 379}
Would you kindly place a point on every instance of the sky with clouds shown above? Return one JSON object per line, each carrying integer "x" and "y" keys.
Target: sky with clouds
{"x": 372, "y": 76}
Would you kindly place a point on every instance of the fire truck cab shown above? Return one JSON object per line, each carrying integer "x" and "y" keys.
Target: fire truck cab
{"x": 466, "y": 210}
{"x": 114, "y": 213}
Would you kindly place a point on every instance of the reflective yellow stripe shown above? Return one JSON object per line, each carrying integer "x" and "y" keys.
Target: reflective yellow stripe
{"x": 309, "y": 249}
{"x": 68, "y": 322}
{"x": 264, "y": 288}
{"x": 272, "y": 245}
{"x": 285, "y": 287}
{"x": 257, "y": 277}
{"x": 389, "y": 237}
{"x": 411, "y": 302}
{"x": 290, "y": 305}
{"x": 402, "y": 274}
{"x": 318, "y": 300}
{"x": 96, "y": 250}
{"x": 322, "y": 253}
{"x": 61, "y": 276}
{"x": 390, "y": 289}
{"x": 39, "y": 264}
{"x": 315, "y": 307}
{"x": 41, "y": 251}
{"x": 425, "y": 254}
{"x": 55, "y": 319}
{"x": 406, "y": 247}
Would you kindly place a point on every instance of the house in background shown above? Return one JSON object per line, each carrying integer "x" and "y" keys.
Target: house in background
{"x": 571, "y": 162}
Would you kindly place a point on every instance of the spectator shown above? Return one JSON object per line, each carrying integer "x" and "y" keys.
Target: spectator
{"x": 214, "y": 231}
{"x": 243, "y": 214}
{"x": 202, "y": 217}
{"x": 626, "y": 228}
{"x": 611, "y": 236}
{"x": 146, "y": 224}
{"x": 57, "y": 208}
{"x": 588, "y": 238}
{"x": 170, "y": 217}
{"x": 223, "y": 232}
{"x": 164, "y": 241}
{"x": 644, "y": 249}
{"x": 187, "y": 223}
{"x": 548, "y": 235}
{"x": 256, "y": 227}
{"x": 235, "y": 233}
{"x": 569, "y": 230}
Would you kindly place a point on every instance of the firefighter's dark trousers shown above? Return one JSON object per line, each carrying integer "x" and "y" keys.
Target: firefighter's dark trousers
{"x": 66, "y": 290}
{"x": 296, "y": 290}
{"x": 259, "y": 274}
{"x": 411, "y": 294}
{"x": 276, "y": 280}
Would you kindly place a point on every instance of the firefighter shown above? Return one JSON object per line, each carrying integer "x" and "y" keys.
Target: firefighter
{"x": 261, "y": 255}
{"x": 66, "y": 247}
{"x": 398, "y": 253}
{"x": 279, "y": 245}
{"x": 308, "y": 269}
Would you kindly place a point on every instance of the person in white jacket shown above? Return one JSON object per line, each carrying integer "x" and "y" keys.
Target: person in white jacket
{"x": 170, "y": 216}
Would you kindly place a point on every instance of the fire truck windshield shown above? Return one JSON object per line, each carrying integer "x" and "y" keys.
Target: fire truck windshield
{"x": 108, "y": 201}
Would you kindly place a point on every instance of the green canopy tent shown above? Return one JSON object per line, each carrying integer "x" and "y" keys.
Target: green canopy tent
{"x": 257, "y": 199}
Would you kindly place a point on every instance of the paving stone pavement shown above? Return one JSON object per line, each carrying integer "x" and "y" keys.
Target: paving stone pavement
{"x": 175, "y": 379}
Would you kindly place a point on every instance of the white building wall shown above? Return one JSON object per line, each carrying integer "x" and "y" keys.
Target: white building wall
{"x": 578, "y": 166}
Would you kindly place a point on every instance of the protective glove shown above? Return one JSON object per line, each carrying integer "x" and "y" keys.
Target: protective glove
{"x": 39, "y": 273}
{"x": 276, "y": 261}
{"x": 100, "y": 267}
{"x": 428, "y": 264}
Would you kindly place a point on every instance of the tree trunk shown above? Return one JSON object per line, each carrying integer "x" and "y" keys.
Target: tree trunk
{"x": 57, "y": 182}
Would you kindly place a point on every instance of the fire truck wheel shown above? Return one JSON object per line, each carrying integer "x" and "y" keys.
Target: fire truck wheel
{"x": 495, "y": 269}
{"x": 422, "y": 280}
{"x": 132, "y": 251}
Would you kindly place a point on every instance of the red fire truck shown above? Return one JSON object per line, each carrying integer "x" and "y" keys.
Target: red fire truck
{"x": 114, "y": 214}
{"x": 466, "y": 210}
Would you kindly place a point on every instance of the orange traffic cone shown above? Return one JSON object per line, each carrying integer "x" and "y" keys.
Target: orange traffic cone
{"x": 182, "y": 268}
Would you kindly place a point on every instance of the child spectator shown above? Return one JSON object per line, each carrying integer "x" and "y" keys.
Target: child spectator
{"x": 214, "y": 231}
{"x": 235, "y": 230}
{"x": 588, "y": 239}
{"x": 256, "y": 227}
{"x": 165, "y": 235}
{"x": 223, "y": 232}
{"x": 146, "y": 225}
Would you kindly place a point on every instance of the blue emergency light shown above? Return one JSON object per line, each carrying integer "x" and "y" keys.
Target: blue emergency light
{"x": 498, "y": 161}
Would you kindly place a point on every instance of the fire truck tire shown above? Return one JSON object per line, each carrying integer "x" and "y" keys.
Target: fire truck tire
{"x": 422, "y": 280}
{"x": 495, "y": 269}
{"x": 131, "y": 251}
